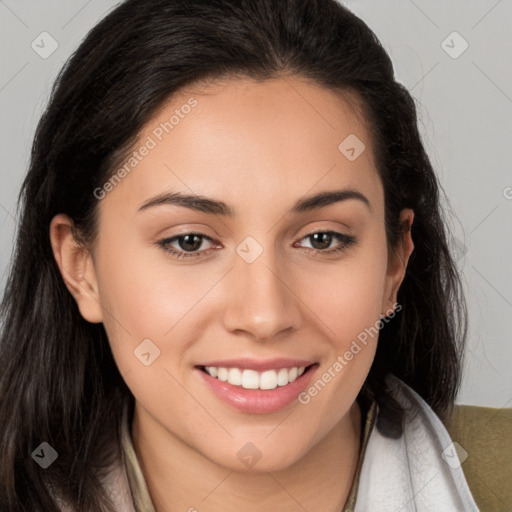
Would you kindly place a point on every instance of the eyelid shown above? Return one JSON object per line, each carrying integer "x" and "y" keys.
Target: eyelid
{"x": 346, "y": 242}
{"x": 345, "y": 239}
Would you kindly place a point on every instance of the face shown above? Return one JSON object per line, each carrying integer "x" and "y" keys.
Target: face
{"x": 266, "y": 282}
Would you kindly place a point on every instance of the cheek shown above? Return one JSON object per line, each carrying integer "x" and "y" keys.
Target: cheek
{"x": 148, "y": 296}
{"x": 347, "y": 295}
{"x": 348, "y": 300}
{"x": 349, "y": 307}
{"x": 136, "y": 299}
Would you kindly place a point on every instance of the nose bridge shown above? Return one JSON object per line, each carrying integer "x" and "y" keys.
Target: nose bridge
{"x": 261, "y": 302}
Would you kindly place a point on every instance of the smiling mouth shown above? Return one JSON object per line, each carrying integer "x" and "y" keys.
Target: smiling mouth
{"x": 252, "y": 379}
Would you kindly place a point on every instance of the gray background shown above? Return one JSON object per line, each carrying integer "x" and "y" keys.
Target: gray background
{"x": 465, "y": 106}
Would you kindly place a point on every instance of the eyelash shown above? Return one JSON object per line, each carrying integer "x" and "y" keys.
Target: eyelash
{"x": 347, "y": 241}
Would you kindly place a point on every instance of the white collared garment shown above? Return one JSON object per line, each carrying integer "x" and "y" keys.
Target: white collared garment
{"x": 418, "y": 472}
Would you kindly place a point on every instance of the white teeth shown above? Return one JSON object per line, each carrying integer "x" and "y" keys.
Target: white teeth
{"x": 268, "y": 379}
{"x": 235, "y": 376}
{"x": 251, "y": 379}
{"x": 282, "y": 377}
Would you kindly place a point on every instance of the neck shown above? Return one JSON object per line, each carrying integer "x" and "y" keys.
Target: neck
{"x": 181, "y": 479}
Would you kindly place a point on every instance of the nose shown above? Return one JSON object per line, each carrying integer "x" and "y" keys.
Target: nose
{"x": 260, "y": 299}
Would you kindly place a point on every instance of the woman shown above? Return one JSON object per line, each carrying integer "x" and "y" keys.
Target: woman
{"x": 232, "y": 288}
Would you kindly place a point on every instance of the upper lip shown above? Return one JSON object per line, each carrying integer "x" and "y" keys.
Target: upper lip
{"x": 258, "y": 364}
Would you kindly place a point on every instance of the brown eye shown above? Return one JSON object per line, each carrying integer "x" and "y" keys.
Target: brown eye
{"x": 188, "y": 245}
{"x": 190, "y": 242}
{"x": 322, "y": 240}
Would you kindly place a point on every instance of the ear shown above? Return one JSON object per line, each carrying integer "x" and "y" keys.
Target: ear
{"x": 397, "y": 262}
{"x": 76, "y": 267}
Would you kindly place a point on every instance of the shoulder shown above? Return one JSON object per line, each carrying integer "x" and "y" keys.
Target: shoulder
{"x": 484, "y": 439}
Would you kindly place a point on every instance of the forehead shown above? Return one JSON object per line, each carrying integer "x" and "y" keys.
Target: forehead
{"x": 250, "y": 141}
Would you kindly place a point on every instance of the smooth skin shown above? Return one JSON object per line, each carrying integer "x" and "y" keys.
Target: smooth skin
{"x": 258, "y": 147}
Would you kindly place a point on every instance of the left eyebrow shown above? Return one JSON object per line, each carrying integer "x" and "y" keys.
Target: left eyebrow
{"x": 217, "y": 207}
{"x": 322, "y": 199}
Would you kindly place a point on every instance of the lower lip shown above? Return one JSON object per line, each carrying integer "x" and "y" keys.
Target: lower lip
{"x": 258, "y": 401}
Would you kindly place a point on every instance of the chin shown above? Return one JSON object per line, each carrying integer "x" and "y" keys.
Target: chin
{"x": 251, "y": 459}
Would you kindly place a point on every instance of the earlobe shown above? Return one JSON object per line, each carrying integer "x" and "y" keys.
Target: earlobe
{"x": 397, "y": 262}
{"x": 76, "y": 267}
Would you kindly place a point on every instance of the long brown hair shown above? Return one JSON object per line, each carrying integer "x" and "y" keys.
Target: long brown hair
{"x": 58, "y": 381}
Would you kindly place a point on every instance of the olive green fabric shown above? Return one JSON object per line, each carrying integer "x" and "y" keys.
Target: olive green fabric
{"x": 485, "y": 436}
